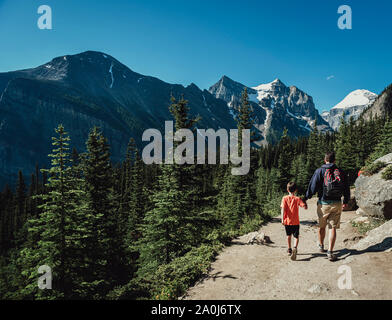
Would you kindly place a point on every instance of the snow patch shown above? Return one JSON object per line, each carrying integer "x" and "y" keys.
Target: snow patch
{"x": 204, "y": 100}
{"x": 105, "y": 56}
{"x": 356, "y": 98}
{"x": 231, "y": 111}
{"x": 306, "y": 127}
{"x": 253, "y": 98}
{"x": 111, "y": 74}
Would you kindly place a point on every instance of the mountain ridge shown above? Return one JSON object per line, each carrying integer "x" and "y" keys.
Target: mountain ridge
{"x": 85, "y": 90}
{"x": 276, "y": 106}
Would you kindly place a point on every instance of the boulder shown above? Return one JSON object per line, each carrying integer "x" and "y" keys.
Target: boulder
{"x": 378, "y": 239}
{"x": 374, "y": 194}
{"x": 387, "y": 159}
{"x": 360, "y": 212}
{"x": 257, "y": 237}
{"x": 362, "y": 220}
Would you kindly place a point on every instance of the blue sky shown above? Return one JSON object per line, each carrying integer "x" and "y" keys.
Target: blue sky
{"x": 188, "y": 41}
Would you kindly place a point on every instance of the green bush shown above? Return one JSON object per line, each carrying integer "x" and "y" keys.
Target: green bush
{"x": 387, "y": 174}
{"x": 169, "y": 281}
{"x": 250, "y": 224}
{"x": 362, "y": 228}
{"x": 271, "y": 208}
{"x": 173, "y": 279}
{"x": 373, "y": 168}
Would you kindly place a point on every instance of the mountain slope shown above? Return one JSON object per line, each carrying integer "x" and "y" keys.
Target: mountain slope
{"x": 351, "y": 106}
{"x": 382, "y": 106}
{"x": 85, "y": 90}
{"x": 276, "y": 106}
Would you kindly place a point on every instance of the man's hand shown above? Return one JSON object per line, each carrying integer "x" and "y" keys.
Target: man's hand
{"x": 344, "y": 206}
{"x": 306, "y": 206}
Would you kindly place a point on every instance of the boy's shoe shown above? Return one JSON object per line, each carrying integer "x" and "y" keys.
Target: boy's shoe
{"x": 294, "y": 255}
{"x": 321, "y": 248}
{"x": 331, "y": 256}
{"x": 289, "y": 251}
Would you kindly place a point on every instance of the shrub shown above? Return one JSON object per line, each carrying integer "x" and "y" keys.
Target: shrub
{"x": 173, "y": 279}
{"x": 271, "y": 208}
{"x": 387, "y": 174}
{"x": 363, "y": 228}
{"x": 250, "y": 224}
{"x": 373, "y": 168}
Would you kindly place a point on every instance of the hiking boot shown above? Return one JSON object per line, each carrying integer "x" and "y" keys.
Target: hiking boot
{"x": 289, "y": 252}
{"x": 294, "y": 255}
{"x": 331, "y": 256}
{"x": 321, "y": 248}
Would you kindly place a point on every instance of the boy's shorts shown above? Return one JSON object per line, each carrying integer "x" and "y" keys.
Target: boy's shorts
{"x": 329, "y": 214}
{"x": 292, "y": 230}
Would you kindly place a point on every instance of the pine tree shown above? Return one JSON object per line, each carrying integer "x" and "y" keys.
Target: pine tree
{"x": 384, "y": 145}
{"x": 55, "y": 233}
{"x": 20, "y": 214}
{"x": 346, "y": 147}
{"x": 164, "y": 229}
{"x": 313, "y": 152}
{"x": 105, "y": 242}
{"x": 285, "y": 160}
{"x": 191, "y": 178}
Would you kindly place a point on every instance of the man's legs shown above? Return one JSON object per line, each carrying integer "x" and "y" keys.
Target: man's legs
{"x": 321, "y": 234}
{"x": 289, "y": 241}
{"x": 332, "y": 239}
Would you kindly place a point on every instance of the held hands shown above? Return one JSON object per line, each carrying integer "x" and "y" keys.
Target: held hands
{"x": 304, "y": 201}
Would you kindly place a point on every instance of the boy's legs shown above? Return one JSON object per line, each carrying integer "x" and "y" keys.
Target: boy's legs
{"x": 296, "y": 240}
{"x": 295, "y": 250}
{"x": 289, "y": 241}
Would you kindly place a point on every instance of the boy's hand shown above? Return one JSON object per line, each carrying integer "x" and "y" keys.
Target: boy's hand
{"x": 306, "y": 206}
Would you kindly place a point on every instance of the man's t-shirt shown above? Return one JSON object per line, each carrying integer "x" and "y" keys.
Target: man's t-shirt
{"x": 290, "y": 206}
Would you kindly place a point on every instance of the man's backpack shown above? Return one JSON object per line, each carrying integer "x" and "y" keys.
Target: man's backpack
{"x": 332, "y": 184}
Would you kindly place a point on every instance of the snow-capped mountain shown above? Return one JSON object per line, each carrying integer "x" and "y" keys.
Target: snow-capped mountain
{"x": 352, "y": 106}
{"x": 276, "y": 106}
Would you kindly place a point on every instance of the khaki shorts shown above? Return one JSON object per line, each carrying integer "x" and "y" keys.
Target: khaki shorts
{"x": 329, "y": 214}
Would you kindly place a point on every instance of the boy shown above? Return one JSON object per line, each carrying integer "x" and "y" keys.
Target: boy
{"x": 290, "y": 217}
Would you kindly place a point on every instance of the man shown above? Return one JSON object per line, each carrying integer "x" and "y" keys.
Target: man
{"x": 331, "y": 184}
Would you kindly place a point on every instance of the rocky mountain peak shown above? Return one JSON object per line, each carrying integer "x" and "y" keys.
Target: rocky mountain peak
{"x": 351, "y": 106}
{"x": 275, "y": 106}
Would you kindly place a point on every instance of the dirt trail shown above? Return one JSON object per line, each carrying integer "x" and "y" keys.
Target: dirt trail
{"x": 253, "y": 272}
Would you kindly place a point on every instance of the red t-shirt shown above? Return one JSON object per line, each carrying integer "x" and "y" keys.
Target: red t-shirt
{"x": 290, "y": 206}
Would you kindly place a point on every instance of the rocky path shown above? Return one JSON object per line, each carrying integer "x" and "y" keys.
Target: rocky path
{"x": 253, "y": 272}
